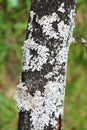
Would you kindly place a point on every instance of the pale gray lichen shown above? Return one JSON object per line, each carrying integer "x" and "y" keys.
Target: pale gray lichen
{"x": 72, "y": 25}
{"x": 46, "y": 23}
{"x": 41, "y": 108}
{"x": 61, "y": 8}
{"x": 30, "y": 62}
{"x": 63, "y": 30}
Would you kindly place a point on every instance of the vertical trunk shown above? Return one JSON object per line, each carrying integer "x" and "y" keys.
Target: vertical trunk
{"x": 40, "y": 93}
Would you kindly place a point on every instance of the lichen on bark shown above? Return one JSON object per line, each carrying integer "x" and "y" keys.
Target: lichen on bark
{"x": 40, "y": 93}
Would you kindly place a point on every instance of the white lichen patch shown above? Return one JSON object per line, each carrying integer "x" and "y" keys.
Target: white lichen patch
{"x": 61, "y": 8}
{"x": 42, "y": 108}
{"x": 30, "y": 27}
{"x": 62, "y": 56}
{"x": 66, "y": 30}
{"x": 63, "y": 30}
{"x": 36, "y": 62}
{"x": 32, "y": 13}
{"x": 72, "y": 25}
{"x": 46, "y": 23}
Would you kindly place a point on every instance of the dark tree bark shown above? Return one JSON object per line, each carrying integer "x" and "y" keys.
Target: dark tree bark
{"x": 40, "y": 93}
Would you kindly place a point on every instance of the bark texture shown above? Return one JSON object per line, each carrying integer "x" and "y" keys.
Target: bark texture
{"x": 40, "y": 93}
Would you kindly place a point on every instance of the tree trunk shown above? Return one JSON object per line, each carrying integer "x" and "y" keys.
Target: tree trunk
{"x": 40, "y": 93}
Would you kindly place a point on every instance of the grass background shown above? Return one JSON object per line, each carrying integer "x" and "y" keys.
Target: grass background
{"x": 13, "y": 24}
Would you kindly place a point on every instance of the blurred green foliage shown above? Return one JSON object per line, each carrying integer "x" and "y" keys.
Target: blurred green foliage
{"x": 7, "y": 114}
{"x": 79, "y": 1}
{"x": 13, "y": 24}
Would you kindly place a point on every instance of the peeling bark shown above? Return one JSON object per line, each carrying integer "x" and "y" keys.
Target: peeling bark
{"x": 40, "y": 93}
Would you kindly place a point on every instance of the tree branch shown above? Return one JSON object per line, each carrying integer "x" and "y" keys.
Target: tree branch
{"x": 81, "y": 41}
{"x": 40, "y": 93}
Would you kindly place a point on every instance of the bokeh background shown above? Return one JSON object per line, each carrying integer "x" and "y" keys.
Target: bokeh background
{"x": 13, "y": 24}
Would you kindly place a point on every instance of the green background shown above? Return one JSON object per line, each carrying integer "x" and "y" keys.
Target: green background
{"x": 13, "y": 24}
